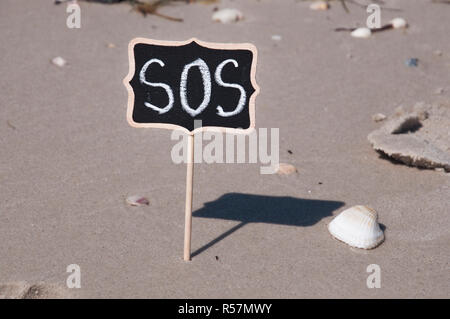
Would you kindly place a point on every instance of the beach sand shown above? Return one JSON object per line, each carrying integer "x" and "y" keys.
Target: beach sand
{"x": 68, "y": 158}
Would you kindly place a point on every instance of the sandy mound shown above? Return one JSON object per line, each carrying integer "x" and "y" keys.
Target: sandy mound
{"x": 418, "y": 137}
{"x": 23, "y": 290}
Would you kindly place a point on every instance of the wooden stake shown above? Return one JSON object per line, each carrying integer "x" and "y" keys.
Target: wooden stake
{"x": 188, "y": 207}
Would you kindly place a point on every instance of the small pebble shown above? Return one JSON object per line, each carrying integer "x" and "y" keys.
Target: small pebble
{"x": 319, "y": 5}
{"x": 137, "y": 200}
{"x": 439, "y": 91}
{"x": 10, "y": 125}
{"x": 286, "y": 169}
{"x": 227, "y": 15}
{"x": 59, "y": 61}
{"x": 412, "y": 62}
{"x": 276, "y": 37}
{"x": 399, "y": 23}
{"x": 379, "y": 117}
{"x": 362, "y": 33}
{"x": 111, "y": 45}
{"x": 438, "y": 52}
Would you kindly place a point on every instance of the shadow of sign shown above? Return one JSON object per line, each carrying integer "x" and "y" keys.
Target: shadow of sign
{"x": 249, "y": 208}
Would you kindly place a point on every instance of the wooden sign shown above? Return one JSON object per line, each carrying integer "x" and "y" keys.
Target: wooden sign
{"x": 173, "y": 84}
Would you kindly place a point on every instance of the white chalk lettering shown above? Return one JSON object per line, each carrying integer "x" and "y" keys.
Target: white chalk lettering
{"x": 206, "y": 77}
{"x": 242, "y": 98}
{"x": 162, "y": 85}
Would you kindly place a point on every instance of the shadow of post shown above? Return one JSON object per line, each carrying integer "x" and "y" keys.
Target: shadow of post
{"x": 249, "y": 208}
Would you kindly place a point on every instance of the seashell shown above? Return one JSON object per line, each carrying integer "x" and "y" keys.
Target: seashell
{"x": 319, "y": 5}
{"x": 398, "y": 23}
{"x": 286, "y": 169}
{"x": 357, "y": 227}
{"x": 59, "y": 61}
{"x": 361, "y": 33}
{"x": 378, "y": 117}
{"x": 136, "y": 200}
{"x": 227, "y": 15}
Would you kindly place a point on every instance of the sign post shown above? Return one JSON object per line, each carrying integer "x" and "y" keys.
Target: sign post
{"x": 189, "y": 191}
{"x": 172, "y": 84}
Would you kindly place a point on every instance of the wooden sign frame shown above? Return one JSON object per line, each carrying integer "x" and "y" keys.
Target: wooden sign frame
{"x": 210, "y": 45}
{"x": 190, "y": 148}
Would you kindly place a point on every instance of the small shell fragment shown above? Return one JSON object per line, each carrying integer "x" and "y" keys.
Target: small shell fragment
{"x": 358, "y": 227}
{"x": 227, "y": 15}
{"x": 361, "y": 33}
{"x": 286, "y": 169}
{"x": 378, "y": 117}
{"x": 398, "y": 23}
{"x": 136, "y": 200}
{"x": 319, "y": 5}
{"x": 59, "y": 61}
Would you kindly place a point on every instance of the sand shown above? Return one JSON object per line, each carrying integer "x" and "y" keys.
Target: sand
{"x": 69, "y": 159}
{"x": 419, "y": 137}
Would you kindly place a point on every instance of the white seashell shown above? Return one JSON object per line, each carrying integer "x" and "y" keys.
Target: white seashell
{"x": 398, "y": 23}
{"x": 136, "y": 200}
{"x": 361, "y": 33}
{"x": 59, "y": 61}
{"x": 357, "y": 227}
{"x": 227, "y": 15}
{"x": 319, "y": 5}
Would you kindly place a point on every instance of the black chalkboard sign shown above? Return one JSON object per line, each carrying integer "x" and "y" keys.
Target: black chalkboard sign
{"x": 172, "y": 84}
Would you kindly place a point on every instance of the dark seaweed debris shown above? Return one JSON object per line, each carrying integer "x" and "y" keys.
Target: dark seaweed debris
{"x": 143, "y": 6}
{"x": 344, "y": 4}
